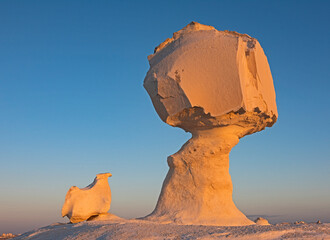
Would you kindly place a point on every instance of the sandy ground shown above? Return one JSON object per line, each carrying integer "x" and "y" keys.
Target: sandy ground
{"x": 139, "y": 229}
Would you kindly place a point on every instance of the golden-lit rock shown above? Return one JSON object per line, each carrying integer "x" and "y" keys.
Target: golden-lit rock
{"x": 219, "y": 72}
{"x": 261, "y": 221}
{"x": 91, "y": 201}
{"x": 218, "y": 86}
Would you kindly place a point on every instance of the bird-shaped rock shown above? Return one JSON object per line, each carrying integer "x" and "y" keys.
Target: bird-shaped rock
{"x": 93, "y": 200}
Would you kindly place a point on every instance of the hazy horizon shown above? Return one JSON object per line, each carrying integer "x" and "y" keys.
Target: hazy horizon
{"x": 73, "y": 105}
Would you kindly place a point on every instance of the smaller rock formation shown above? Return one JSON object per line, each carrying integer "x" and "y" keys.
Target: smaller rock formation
{"x": 318, "y": 222}
{"x": 93, "y": 200}
{"x": 261, "y": 221}
{"x": 299, "y": 222}
{"x": 7, "y": 236}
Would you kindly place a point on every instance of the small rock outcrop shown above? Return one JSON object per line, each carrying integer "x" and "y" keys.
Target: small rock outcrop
{"x": 93, "y": 200}
{"x": 105, "y": 217}
{"x": 261, "y": 221}
{"x": 217, "y": 85}
{"x": 299, "y": 222}
{"x": 7, "y": 236}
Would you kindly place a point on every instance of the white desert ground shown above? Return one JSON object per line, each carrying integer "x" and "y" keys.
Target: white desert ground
{"x": 122, "y": 229}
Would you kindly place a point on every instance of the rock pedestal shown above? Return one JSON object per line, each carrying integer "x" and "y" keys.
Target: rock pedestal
{"x": 198, "y": 187}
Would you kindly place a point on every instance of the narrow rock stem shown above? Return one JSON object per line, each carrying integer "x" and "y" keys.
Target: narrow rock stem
{"x": 198, "y": 187}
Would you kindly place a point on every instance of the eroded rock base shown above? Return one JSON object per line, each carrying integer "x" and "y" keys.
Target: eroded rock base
{"x": 198, "y": 187}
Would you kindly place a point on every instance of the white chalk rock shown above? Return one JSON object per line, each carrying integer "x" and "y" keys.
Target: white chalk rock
{"x": 218, "y": 71}
{"x": 218, "y": 86}
{"x": 261, "y": 221}
{"x": 93, "y": 200}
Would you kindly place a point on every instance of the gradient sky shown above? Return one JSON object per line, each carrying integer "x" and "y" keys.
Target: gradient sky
{"x": 72, "y": 105}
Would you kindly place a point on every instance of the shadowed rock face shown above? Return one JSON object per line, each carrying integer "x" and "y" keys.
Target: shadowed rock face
{"x": 218, "y": 86}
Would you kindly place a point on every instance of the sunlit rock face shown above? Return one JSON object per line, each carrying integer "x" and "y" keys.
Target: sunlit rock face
{"x": 91, "y": 201}
{"x": 218, "y": 86}
{"x": 218, "y": 72}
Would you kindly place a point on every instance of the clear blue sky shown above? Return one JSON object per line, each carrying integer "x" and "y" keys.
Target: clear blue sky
{"x": 72, "y": 105}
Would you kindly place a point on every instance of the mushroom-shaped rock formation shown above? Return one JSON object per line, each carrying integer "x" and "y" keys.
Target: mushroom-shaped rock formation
{"x": 217, "y": 85}
{"x": 93, "y": 200}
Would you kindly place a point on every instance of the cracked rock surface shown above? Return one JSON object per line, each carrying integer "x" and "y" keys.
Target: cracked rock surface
{"x": 219, "y": 72}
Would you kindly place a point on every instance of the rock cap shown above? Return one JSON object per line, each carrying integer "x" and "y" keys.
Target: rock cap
{"x": 203, "y": 78}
